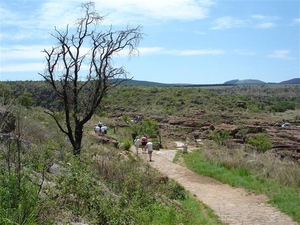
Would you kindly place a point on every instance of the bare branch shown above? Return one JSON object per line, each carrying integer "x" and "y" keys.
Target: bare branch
{"x": 67, "y": 62}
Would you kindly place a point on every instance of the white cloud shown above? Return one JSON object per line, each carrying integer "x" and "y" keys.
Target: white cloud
{"x": 162, "y": 51}
{"x": 193, "y": 52}
{"x": 199, "y": 32}
{"x": 280, "y": 54}
{"x": 244, "y": 52}
{"x": 152, "y": 50}
{"x": 257, "y": 21}
{"x": 36, "y": 19}
{"x": 142, "y": 51}
{"x": 265, "y": 25}
{"x": 227, "y": 22}
{"x": 59, "y": 13}
{"x": 156, "y": 9}
{"x": 264, "y": 22}
{"x": 296, "y": 21}
{"x": 30, "y": 58}
{"x": 21, "y": 52}
{"x": 22, "y": 67}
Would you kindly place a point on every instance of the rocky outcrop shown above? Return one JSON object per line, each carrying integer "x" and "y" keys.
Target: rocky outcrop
{"x": 196, "y": 129}
{"x": 106, "y": 139}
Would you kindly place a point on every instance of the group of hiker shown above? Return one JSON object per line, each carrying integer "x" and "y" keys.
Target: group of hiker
{"x": 100, "y": 128}
{"x": 147, "y": 146}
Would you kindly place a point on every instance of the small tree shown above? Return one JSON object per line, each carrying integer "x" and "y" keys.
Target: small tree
{"x": 26, "y": 99}
{"x": 149, "y": 126}
{"x": 219, "y": 136}
{"x": 6, "y": 93}
{"x": 81, "y": 93}
{"x": 261, "y": 142}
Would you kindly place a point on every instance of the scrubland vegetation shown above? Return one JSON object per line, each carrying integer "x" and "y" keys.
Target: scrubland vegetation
{"x": 42, "y": 182}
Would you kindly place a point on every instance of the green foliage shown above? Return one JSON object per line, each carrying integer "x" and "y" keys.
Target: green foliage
{"x": 126, "y": 145}
{"x": 135, "y": 129}
{"x": 136, "y": 198}
{"x": 75, "y": 184}
{"x": 219, "y": 136}
{"x": 149, "y": 126}
{"x": 6, "y": 93}
{"x": 19, "y": 201}
{"x": 176, "y": 191}
{"x": 283, "y": 106}
{"x": 126, "y": 118}
{"x": 180, "y": 101}
{"x": 261, "y": 142}
{"x": 26, "y": 99}
{"x": 253, "y": 108}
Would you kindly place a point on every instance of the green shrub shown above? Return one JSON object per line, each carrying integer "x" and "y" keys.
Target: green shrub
{"x": 126, "y": 118}
{"x": 171, "y": 189}
{"x": 26, "y": 99}
{"x": 127, "y": 144}
{"x": 261, "y": 142}
{"x": 283, "y": 106}
{"x": 149, "y": 126}
{"x": 19, "y": 199}
{"x": 219, "y": 136}
{"x": 176, "y": 191}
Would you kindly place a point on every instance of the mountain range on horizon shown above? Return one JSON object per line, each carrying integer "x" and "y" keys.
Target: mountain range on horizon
{"x": 259, "y": 82}
{"x": 230, "y": 82}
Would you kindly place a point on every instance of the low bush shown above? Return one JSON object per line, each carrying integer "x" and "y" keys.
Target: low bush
{"x": 127, "y": 145}
{"x": 19, "y": 201}
{"x": 219, "y": 136}
{"x": 261, "y": 142}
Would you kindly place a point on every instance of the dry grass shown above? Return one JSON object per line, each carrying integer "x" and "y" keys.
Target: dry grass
{"x": 266, "y": 165}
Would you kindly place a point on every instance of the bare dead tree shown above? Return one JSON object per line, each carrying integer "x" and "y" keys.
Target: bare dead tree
{"x": 80, "y": 69}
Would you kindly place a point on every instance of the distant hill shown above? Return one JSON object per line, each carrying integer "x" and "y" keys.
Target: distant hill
{"x": 227, "y": 83}
{"x": 259, "y": 82}
{"x": 145, "y": 83}
{"x": 156, "y": 84}
{"x": 245, "y": 82}
{"x": 292, "y": 81}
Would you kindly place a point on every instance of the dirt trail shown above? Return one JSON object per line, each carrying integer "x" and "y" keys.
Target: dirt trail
{"x": 233, "y": 205}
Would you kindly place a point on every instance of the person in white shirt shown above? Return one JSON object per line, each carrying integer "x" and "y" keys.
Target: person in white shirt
{"x": 149, "y": 147}
{"x": 97, "y": 129}
{"x": 137, "y": 144}
{"x": 104, "y": 129}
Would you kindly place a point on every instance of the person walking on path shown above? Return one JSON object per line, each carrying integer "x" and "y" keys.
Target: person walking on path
{"x": 144, "y": 142}
{"x": 149, "y": 148}
{"x": 137, "y": 144}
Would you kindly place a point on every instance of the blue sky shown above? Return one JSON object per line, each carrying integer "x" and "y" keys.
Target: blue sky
{"x": 187, "y": 41}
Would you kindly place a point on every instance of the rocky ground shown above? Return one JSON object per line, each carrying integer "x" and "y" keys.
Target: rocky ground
{"x": 285, "y": 140}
